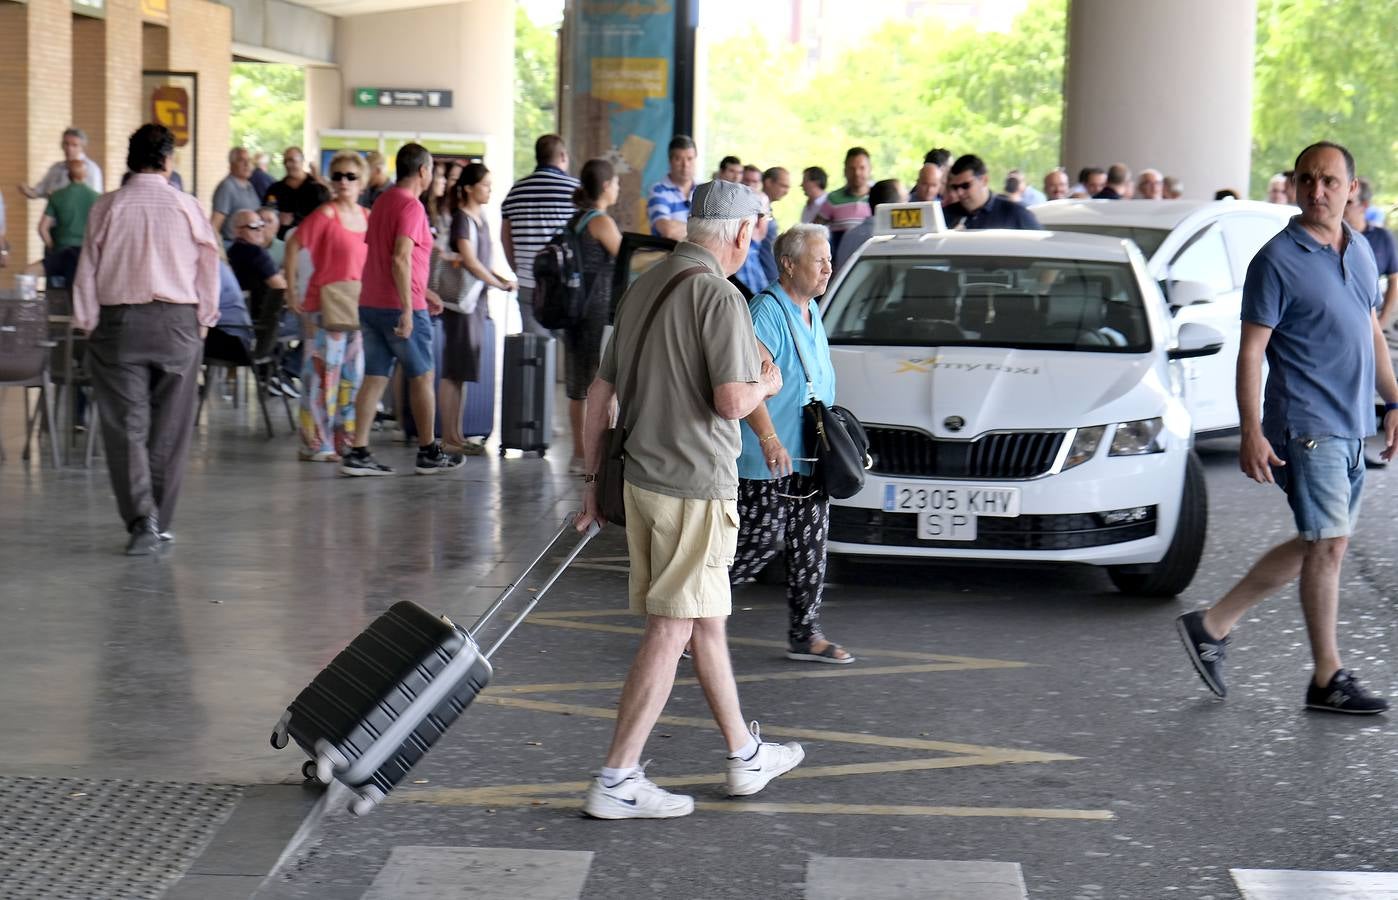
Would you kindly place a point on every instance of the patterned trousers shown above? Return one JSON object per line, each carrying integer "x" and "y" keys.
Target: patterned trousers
{"x": 770, "y": 511}
{"x": 331, "y": 374}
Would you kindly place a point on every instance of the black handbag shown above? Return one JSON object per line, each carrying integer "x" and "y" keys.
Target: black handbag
{"x": 611, "y": 474}
{"x": 833, "y": 437}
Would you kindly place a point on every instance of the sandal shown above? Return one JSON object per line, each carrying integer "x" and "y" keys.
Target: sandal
{"x": 830, "y": 653}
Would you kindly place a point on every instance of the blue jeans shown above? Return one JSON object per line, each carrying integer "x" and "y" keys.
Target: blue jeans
{"x": 1323, "y": 479}
{"x": 382, "y": 346}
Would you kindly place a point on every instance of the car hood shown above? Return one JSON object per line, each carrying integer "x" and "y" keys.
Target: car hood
{"x": 994, "y": 388}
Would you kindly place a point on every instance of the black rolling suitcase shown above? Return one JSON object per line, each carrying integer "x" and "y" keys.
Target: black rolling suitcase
{"x": 384, "y": 701}
{"x": 526, "y": 397}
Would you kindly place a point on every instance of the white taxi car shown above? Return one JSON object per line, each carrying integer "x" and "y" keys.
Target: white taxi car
{"x": 1198, "y": 252}
{"x": 1023, "y": 402}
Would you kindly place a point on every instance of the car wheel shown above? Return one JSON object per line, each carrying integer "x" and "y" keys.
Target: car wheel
{"x": 1176, "y": 570}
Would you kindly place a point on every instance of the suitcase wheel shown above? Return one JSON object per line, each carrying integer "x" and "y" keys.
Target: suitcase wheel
{"x": 502, "y": 451}
{"x": 279, "y": 734}
{"x": 362, "y": 806}
{"x": 324, "y": 769}
{"x": 308, "y": 770}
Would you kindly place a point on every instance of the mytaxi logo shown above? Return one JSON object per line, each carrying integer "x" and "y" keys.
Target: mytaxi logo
{"x": 926, "y": 365}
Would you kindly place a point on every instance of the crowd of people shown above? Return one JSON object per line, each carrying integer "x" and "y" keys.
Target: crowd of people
{"x": 707, "y": 385}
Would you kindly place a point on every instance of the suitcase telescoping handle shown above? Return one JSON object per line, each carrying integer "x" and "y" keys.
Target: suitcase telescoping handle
{"x": 533, "y": 601}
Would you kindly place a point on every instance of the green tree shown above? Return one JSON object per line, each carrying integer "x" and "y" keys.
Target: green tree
{"x": 908, "y": 88}
{"x": 268, "y": 107}
{"x": 536, "y": 92}
{"x": 1324, "y": 71}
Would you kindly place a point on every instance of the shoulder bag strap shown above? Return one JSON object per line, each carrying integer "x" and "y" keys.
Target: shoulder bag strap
{"x": 645, "y": 328}
{"x": 796, "y": 340}
{"x": 584, "y": 218}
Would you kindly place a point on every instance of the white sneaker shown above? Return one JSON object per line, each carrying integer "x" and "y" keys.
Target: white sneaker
{"x": 635, "y": 798}
{"x": 748, "y": 776}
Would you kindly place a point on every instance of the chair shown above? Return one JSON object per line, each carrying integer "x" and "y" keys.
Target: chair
{"x": 224, "y": 349}
{"x": 24, "y": 363}
{"x": 931, "y": 294}
{"x": 1017, "y": 320}
{"x": 69, "y": 373}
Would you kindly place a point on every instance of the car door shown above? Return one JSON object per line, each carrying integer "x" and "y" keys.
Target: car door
{"x": 1208, "y": 381}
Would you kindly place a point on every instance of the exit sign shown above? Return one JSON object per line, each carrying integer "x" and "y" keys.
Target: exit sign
{"x": 402, "y": 98}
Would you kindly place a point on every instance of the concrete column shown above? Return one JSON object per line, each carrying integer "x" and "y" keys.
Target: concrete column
{"x": 325, "y": 94}
{"x": 1162, "y": 85}
{"x": 36, "y": 62}
{"x": 467, "y": 48}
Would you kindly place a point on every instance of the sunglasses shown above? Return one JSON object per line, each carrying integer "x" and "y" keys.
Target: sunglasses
{"x": 344, "y": 176}
{"x": 960, "y": 186}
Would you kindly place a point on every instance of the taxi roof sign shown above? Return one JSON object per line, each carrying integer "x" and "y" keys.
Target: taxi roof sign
{"x": 909, "y": 219}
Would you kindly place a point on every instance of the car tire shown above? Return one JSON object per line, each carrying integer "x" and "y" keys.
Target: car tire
{"x": 1176, "y": 570}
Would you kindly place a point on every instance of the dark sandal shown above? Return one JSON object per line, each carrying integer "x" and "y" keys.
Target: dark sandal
{"x": 828, "y": 654}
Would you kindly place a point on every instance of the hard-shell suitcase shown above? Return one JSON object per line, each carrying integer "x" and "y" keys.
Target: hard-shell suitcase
{"x": 478, "y": 417}
{"x": 526, "y": 400}
{"x": 386, "y": 699}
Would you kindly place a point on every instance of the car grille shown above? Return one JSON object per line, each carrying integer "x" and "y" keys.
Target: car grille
{"x": 854, "y": 525}
{"x": 1016, "y": 454}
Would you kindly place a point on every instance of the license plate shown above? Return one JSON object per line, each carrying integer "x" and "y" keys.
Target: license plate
{"x": 963, "y": 499}
{"x": 932, "y": 526}
{"x": 948, "y": 512}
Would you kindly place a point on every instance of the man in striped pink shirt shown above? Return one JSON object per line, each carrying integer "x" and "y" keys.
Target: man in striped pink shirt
{"x": 147, "y": 290}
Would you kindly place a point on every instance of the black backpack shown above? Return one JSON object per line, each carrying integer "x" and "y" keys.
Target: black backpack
{"x": 560, "y": 290}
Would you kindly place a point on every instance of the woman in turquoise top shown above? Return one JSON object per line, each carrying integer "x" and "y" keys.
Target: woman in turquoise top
{"x": 777, "y": 498}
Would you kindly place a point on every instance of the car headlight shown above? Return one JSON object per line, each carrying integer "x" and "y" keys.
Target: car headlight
{"x": 1085, "y": 444}
{"x": 1139, "y": 437}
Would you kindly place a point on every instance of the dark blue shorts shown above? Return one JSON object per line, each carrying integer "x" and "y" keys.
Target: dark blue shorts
{"x": 382, "y": 346}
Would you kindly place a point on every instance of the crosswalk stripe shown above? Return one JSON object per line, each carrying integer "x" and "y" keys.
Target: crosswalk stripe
{"x": 1294, "y": 884}
{"x": 846, "y": 878}
{"x": 480, "y": 873}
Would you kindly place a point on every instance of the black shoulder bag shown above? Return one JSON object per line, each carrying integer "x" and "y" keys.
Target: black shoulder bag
{"x": 834, "y": 438}
{"x": 611, "y": 473}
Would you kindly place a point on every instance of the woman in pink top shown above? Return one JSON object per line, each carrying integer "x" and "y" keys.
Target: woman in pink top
{"x": 334, "y": 360}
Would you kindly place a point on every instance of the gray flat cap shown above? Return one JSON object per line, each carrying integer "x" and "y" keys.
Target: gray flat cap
{"x": 724, "y": 200}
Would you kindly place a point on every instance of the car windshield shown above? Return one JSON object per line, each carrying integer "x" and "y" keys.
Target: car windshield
{"x": 1148, "y": 239}
{"x": 1049, "y": 304}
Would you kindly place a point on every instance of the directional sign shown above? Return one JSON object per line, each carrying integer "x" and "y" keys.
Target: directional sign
{"x": 410, "y": 98}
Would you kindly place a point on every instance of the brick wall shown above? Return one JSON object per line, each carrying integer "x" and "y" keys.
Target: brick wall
{"x": 36, "y": 52}
{"x": 201, "y": 36}
{"x": 90, "y": 88}
{"x": 124, "y": 111}
{"x": 155, "y": 46}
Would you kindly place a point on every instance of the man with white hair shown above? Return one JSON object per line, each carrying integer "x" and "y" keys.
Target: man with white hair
{"x": 692, "y": 371}
{"x": 74, "y": 148}
{"x": 1276, "y": 189}
{"x": 234, "y": 192}
{"x": 1150, "y": 185}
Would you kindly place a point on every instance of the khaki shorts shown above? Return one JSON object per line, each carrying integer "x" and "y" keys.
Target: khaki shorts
{"x": 680, "y": 553}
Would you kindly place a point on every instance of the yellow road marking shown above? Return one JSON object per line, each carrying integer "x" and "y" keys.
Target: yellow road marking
{"x": 495, "y": 798}
{"x": 810, "y": 734}
{"x": 831, "y": 672}
{"x": 967, "y": 662}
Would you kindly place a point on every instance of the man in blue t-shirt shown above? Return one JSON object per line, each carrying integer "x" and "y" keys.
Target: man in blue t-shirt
{"x": 1310, "y": 304}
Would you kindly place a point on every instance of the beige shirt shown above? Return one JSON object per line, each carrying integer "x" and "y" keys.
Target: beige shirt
{"x": 702, "y": 337}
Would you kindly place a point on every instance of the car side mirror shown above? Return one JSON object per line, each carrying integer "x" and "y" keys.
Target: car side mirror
{"x": 1195, "y": 340}
{"x": 1188, "y": 293}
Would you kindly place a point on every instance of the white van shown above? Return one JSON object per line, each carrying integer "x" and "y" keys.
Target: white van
{"x": 1023, "y": 396}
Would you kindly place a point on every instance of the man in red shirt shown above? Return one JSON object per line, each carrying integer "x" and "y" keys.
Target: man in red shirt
{"x": 394, "y": 316}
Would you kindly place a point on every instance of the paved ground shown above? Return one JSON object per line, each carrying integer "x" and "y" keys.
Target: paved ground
{"x": 1004, "y": 731}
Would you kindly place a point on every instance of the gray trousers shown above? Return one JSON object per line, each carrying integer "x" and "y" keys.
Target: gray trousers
{"x": 524, "y": 296}
{"x": 144, "y": 361}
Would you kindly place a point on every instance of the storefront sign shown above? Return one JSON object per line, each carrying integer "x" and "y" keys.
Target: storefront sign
{"x": 409, "y": 98}
{"x": 170, "y": 107}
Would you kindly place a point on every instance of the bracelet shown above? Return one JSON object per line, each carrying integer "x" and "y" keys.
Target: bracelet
{"x": 766, "y": 437}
